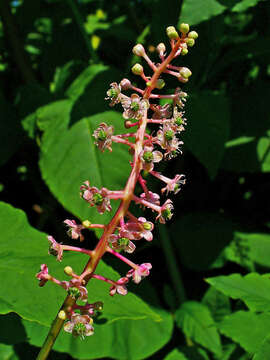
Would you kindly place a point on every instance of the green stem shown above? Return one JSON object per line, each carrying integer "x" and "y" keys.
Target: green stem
{"x": 79, "y": 20}
{"x": 172, "y": 264}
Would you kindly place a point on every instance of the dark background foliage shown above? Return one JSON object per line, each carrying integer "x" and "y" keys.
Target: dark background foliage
{"x": 57, "y": 59}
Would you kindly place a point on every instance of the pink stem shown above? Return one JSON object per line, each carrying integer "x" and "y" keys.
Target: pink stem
{"x": 143, "y": 184}
{"x": 123, "y": 258}
{"x": 75, "y": 248}
{"x": 102, "y": 278}
{"x": 136, "y": 89}
{"x": 98, "y": 226}
{"x": 119, "y": 140}
{"x": 156, "y": 96}
{"x": 147, "y": 203}
{"x": 160, "y": 176}
{"x": 169, "y": 66}
{"x": 149, "y": 62}
{"x": 172, "y": 73}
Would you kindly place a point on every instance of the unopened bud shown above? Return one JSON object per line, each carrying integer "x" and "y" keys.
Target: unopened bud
{"x": 128, "y": 124}
{"x": 185, "y": 72}
{"x": 68, "y": 270}
{"x": 184, "y": 28}
{"x": 86, "y": 223}
{"x": 138, "y": 50}
{"x": 193, "y": 35}
{"x": 137, "y": 69}
{"x": 161, "y": 48}
{"x": 160, "y": 84}
{"x": 98, "y": 305}
{"x": 149, "y": 83}
{"x": 184, "y": 51}
{"x": 172, "y": 33}
{"x": 62, "y": 315}
{"x": 125, "y": 84}
{"x": 190, "y": 42}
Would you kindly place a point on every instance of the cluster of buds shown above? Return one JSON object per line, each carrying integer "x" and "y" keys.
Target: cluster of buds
{"x": 140, "y": 109}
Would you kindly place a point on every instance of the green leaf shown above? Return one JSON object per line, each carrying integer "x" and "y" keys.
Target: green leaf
{"x": 69, "y": 157}
{"x": 264, "y": 350}
{"x": 175, "y": 355}
{"x": 21, "y": 261}
{"x": 217, "y": 303}
{"x": 208, "y": 130}
{"x": 7, "y": 352}
{"x": 253, "y": 289}
{"x": 247, "y": 329}
{"x": 263, "y": 151}
{"x": 244, "y": 5}
{"x": 196, "y": 322}
{"x": 201, "y": 233}
{"x": 194, "y": 11}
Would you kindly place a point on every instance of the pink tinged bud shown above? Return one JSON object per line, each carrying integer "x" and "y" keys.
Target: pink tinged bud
{"x": 151, "y": 197}
{"x": 140, "y": 273}
{"x": 161, "y": 48}
{"x": 138, "y": 50}
{"x": 55, "y": 249}
{"x": 43, "y": 276}
{"x": 125, "y": 84}
{"x": 80, "y": 325}
{"x": 172, "y": 33}
{"x": 137, "y": 69}
{"x": 119, "y": 287}
{"x": 184, "y": 28}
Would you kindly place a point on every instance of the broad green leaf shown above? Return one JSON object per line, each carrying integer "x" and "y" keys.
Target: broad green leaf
{"x": 21, "y": 261}
{"x": 253, "y": 289}
{"x": 196, "y": 322}
{"x": 208, "y": 130}
{"x": 194, "y": 11}
{"x": 175, "y": 355}
{"x": 65, "y": 75}
{"x": 247, "y": 329}
{"x": 201, "y": 233}
{"x": 244, "y": 5}
{"x": 7, "y": 352}
{"x": 264, "y": 350}
{"x": 217, "y": 303}
{"x": 69, "y": 157}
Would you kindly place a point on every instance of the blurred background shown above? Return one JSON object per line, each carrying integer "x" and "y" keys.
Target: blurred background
{"x": 57, "y": 60}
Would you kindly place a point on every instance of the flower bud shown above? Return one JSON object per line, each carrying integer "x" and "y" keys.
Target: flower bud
{"x": 185, "y": 72}
{"x": 161, "y": 48}
{"x": 193, "y": 35}
{"x": 137, "y": 69}
{"x": 172, "y": 33}
{"x": 125, "y": 84}
{"x": 138, "y": 50}
{"x": 68, "y": 270}
{"x": 128, "y": 124}
{"x": 98, "y": 305}
{"x": 184, "y": 28}
{"x": 62, "y": 315}
{"x": 190, "y": 42}
{"x": 160, "y": 84}
{"x": 86, "y": 223}
{"x": 184, "y": 52}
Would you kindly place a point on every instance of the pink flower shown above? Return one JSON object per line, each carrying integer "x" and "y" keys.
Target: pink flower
{"x": 74, "y": 230}
{"x": 103, "y": 135}
{"x": 174, "y": 184}
{"x": 75, "y": 289}
{"x": 114, "y": 94}
{"x": 55, "y": 248}
{"x": 140, "y": 229}
{"x": 151, "y": 197}
{"x": 119, "y": 287}
{"x": 134, "y": 107}
{"x": 165, "y": 211}
{"x": 43, "y": 276}
{"x": 161, "y": 112}
{"x": 79, "y": 325}
{"x": 120, "y": 242}
{"x": 96, "y": 197}
{"x": 141, "y": 272}
{"x": 149, "y": 157}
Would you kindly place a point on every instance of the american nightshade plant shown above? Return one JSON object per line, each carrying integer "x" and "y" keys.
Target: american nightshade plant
{"x": 140, "y": 108}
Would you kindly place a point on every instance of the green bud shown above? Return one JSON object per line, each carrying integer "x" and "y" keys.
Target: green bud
{"x": 74, "y": 292}
{"x": 148, "y": 156}
{"x": 184, "y": 28}
{"x": 98, "y": 199}
{"x": 62, "y": 315}
{"x": 184, "y": 52}
{"x": 98, "y": 305}
{"x": 137, "y": 69}
{"x": 135, "y": 106}
{"x": 102, "y": 135}
{"x": 123, "y": 241}
{"x": 147, "y": 226}
{"x": 138, "y": 50}
{"x": 167, "y": 214}
{"x": 68, "y": 270}
{"x": 112, "y": 93}
{"x": 185, "y": 72}
{"x": 160, "y": 84}
{"x": 169, "y": 134}
{"x": 193, "y": 35}
{"x": 178, "y": 121}
{"x": 148, "y": 83}
{"x": 190, "y": 42}
{"x": 86, "y": 223}
{"x": 172, "y": 33}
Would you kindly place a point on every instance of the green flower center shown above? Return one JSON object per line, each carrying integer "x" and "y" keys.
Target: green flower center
{"x": 134, "y": 106}
{"x": 113, "y": 93}
{"x": 98, "y": 199}
{"x": 148, "y": 156}
{"x": 167, "y": 214}
{"x": 147, "y": 226}
{"x": 123, "y": 241}
{"x": 178, "y": 121}
{"x": 169, "y": 134}
{"x": 79, "y": 329}
{"x": 176, "y": 187}
{"x": 102, "y": 135}
{"x": 74, "y": 292}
